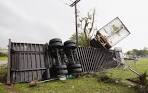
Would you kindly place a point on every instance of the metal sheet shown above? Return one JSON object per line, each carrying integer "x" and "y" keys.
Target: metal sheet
{"x": 114, "y": 31}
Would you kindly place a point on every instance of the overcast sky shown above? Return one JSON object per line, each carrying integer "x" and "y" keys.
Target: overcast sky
{"x": 38, "y": 21}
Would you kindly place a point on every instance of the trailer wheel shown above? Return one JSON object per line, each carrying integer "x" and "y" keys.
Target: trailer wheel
{"x": 62, "y": 72}
{"x": 75, "y": 66}
{"x": 55, "y": 40}
{"x": 56, "y": 45}
{"x": 77, "y": 70}
{"x": 70, "y": 44}
{"x": 61, "y": 67}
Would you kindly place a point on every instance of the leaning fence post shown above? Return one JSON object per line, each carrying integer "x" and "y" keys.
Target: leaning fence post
{"x": 9, "y": 63}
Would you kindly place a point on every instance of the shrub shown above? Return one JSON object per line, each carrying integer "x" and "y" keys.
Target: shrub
{"x": 3, "y": 73}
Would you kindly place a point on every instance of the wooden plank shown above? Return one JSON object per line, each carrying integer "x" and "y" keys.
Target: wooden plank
{"x": 46, "y": 60}
{"x": 12, "y": 75}
{"x": 36, "y": 55}
{"x": 42, "y": 60}
{"x": 33, "y": 56}
{"x": 17, "y": 64}
{"x": 30, "y": 64}
{"x": 38, "y": 63}
{"x": 21, "y": 63}
{"x": 15, "y": 60}
{"x": 9, "y": 63}
{"x": 25, "y": 63}
{"x": 23, "y": 60}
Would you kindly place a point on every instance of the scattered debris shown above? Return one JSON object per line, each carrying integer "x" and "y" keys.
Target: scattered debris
{"x": 33, "y": 83}
{"x": 140, "y": 83}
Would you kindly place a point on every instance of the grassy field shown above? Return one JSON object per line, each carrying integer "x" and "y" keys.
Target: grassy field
{"x": 140, "y": 66}
{"x": 85, "y": 84}
{"x": 3, "y": 58}
{"x": 81, "y": 85}
{"x": 2, "y": 89}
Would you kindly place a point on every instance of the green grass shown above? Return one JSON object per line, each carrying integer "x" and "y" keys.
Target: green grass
{"x": 3, "y": 58}
{"x": 140, "y": 66}
{"x": 3, "y": 73}
{"x": 88, "y": 84}
{"x": 2, "y": 89}
{"x": 81, "y": 85}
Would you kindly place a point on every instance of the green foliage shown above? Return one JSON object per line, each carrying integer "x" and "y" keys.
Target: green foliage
{"x": 80, "y": 85}
{"x": 3, "y": 73}
{"x": 140, "y": 66}
{"x": 137, "y": 52}
{"x": 3, "y": 58}
{"x": 2, "y": 89}
{"x": 3, "y": 54}
{"x": 82, "y": 41}
{"x": 86, "y": 27}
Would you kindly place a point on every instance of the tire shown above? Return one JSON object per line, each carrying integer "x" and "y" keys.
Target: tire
{"x": 69, "y": 42}
{"x": 62, "y": 72}
{"x": 55, "y": 40}
{"x": 75, "y": 66}
{"x": 77, "y": 70}
{"x": 56, "y": 45}
{"x": 70, "y": 46}
{"x": 61, "y": 66}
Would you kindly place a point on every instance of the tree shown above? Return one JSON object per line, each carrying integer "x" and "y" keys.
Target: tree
{"x": 86, "y": 25}
{"x": 81, "y": 41}
{"x": 137, "y": 52}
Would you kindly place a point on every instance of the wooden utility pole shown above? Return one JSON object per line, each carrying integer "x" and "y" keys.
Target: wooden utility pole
{"x": 74, "y": 4}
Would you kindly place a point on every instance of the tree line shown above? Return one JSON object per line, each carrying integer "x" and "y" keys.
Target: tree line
{"x": 138, "y": 52}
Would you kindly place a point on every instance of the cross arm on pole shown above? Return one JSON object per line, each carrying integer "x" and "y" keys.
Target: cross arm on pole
{"x": 74, "y": 3}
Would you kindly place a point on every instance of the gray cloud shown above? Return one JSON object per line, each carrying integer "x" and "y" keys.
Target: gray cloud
{"x": 19, "y": 27}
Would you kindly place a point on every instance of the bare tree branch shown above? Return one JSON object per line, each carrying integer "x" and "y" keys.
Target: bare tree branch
{"x": 92, "y": 23}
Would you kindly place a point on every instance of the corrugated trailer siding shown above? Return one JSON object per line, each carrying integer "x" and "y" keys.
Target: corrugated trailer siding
{"x": 95, "y": 59}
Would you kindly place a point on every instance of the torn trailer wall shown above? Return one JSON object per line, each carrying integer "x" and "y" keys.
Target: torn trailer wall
{"x": 29, "y": 62}
{"x": 111, "y": 34}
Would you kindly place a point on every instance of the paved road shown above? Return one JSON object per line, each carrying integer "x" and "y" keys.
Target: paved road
{"x": 3, "y": 62}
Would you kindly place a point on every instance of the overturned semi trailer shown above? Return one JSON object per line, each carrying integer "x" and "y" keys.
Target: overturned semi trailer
{"x": 28, "y": 61}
